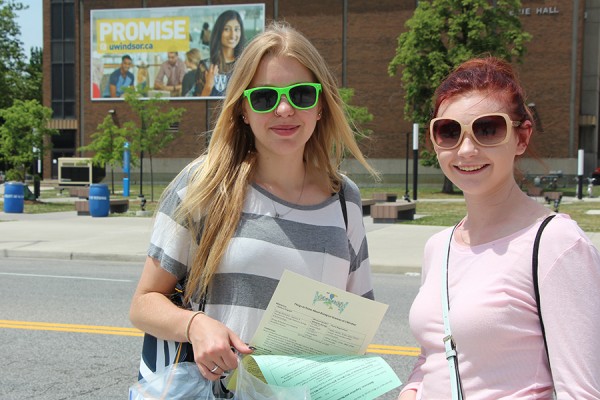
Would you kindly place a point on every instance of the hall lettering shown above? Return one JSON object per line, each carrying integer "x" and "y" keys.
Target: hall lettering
{"x": 546, "y": 10}
{"x": 539, "y": 11}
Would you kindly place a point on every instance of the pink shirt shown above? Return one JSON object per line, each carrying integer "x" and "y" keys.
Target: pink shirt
{"x": 494, "y": 318}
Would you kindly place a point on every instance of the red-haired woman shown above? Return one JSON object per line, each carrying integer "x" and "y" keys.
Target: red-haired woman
{"x": 482, "y": 268}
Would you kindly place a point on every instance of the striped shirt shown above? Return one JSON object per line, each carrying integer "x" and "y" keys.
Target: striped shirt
{"x": 310, "y": 240}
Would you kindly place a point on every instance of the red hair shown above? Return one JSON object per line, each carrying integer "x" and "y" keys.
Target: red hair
{"x": 489, "y": 74}
{"x": 494, "y": 76}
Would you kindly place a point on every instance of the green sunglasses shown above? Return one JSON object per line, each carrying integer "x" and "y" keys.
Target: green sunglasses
{"x": 302, "y": 96}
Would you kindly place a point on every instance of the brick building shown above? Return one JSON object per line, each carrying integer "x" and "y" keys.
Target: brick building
{"x": 561, "y": 73}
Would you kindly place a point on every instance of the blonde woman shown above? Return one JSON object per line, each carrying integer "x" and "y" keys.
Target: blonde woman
{"x": 193, "y": 57}
{"x": 264, "y": 198}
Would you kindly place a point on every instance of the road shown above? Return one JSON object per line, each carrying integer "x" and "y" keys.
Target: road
{"x": 65, "y": 332}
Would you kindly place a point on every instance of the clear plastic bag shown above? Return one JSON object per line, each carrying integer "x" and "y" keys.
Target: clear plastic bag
{"x": 248, "y": 387}
{"x": 180, "y": 381}
{"x": 183, "y": 381}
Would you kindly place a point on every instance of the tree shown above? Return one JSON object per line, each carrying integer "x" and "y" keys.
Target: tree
{"x": 29, "y": 87}
{"x": 23, "y": 135}
{"x": 11, "y": 54}
{"x": 107, "y": 144}
{"x": 356, "y": 115}
{"x": 441, "y": 35}
{"x": 155, "y": 130}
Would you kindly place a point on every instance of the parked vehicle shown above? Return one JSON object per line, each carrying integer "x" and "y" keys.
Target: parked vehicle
{"x": 596, "y": 176}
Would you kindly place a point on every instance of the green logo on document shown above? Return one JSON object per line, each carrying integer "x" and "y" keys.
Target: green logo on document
{"x": 329, "y": 299}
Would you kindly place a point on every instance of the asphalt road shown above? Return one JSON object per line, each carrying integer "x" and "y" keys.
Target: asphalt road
{"x": 65, "y": 332}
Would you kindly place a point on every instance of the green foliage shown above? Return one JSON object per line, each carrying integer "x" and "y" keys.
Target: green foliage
{"x": 107, "y": 143}
{"x": 444, "y": 33}
{"x": 356, "y": 115}
{"x": 12, "y": 59}
{"x": 29, "y": 87}
{"x": 24, "y": 129}
{"x": 15, "y": 175}
{"x": 154, "y": 132}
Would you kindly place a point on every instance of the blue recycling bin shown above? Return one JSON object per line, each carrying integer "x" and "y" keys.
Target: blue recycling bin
{"x": 14, "y": 197}
{"x": 99, "y": 200}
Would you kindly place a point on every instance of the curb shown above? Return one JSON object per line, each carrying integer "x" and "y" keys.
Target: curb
{"x": 140, "y": 258}
{"x": 57, "y": 255}
{"x": 390, "y": 269}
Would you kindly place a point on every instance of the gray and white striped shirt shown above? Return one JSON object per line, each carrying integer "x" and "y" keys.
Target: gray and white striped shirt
{"x": 309, "y": 240}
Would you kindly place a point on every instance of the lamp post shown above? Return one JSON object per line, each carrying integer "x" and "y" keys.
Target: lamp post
{"x": 580, "y": 174}
{"x": 141, "y": 195}
{"x": 126, "y": 169}
{"x": 406, "y": 193}
{"x": 415, "y": 158}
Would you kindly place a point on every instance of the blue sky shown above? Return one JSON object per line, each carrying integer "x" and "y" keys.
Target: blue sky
{"x": 30, "y": 21}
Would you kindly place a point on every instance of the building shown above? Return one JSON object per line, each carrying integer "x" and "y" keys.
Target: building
{"x": 561, "y": 73}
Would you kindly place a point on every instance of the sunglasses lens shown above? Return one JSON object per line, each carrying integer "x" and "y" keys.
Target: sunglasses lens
{"x": 490, "y": 130}
{"x": 303, "y": 96}
{"x": 263, "y": 100}
{"x": 446, "y": 132}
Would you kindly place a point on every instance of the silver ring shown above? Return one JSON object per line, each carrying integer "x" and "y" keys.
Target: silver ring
{"x": 214, "y": 369}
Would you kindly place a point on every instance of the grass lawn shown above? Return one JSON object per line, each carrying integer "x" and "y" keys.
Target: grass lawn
{"x": 448, "y": 213}
{"x": 446, "y": 210}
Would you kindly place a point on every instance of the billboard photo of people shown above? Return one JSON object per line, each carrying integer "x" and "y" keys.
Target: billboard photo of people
{"x": 171, "y": 52}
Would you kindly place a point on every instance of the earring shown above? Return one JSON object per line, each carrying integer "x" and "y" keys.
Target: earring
{"x": 319, "y": 114}
{"x": 244, "y": 118}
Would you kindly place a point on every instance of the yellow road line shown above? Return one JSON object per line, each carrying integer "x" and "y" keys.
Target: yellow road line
{"x": 398, "y": 350}
{"x": 117, "y": 330}
{"x": 46, "y": 326}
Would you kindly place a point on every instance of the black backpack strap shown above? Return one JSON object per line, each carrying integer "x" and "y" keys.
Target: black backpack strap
{"x": 342, "y": 197}
{"x": 536, "y": 288}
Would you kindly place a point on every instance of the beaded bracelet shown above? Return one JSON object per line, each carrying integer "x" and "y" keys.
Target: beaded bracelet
{"x": 187, "y": 329}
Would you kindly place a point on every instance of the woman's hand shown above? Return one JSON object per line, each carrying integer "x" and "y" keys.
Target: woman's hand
{"x": 209, "y": 80}
{"x": 214, "y": 345}
{"x": 210, "y": 74}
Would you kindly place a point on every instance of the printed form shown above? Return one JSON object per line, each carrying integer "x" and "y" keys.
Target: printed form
{"x": 316, "y": 335}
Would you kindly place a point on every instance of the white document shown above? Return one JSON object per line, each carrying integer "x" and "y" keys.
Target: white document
{"x": 309, "y": 317}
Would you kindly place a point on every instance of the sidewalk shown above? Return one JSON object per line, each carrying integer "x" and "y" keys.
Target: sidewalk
{"x": 393, "y": 248}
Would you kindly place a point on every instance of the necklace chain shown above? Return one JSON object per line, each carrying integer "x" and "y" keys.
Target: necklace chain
{"x": 277, "y": 215}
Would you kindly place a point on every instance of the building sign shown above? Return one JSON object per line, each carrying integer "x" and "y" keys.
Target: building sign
{"x": 171, "y": 52}
{"x": 143, "y": 35}
{"x": 527, "y": 11}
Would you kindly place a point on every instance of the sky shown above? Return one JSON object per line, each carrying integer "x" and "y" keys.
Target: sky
{"x": 30, "y": 22}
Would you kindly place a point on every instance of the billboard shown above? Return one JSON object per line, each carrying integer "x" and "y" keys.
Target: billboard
{"x": 173, "y": 52}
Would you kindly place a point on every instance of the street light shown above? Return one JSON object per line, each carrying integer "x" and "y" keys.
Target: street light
{"x": 406, "y": 192}
{"x": 415, "y": 158}
{"x": 141, "y": 195}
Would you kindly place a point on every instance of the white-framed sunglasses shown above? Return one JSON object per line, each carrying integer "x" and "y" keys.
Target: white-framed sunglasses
{"x": 486, "y": 130}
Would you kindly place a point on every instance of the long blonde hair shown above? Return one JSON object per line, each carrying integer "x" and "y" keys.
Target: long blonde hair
{"x": 217, "y": 189}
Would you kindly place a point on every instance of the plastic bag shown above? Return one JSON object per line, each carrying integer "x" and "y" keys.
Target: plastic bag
{"x": 183, "y": 381}
{"x": 180, "y": 381}
{"x": 248, "y": 387}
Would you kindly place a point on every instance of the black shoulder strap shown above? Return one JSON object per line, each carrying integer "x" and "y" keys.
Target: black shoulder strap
{"x": 534, "y": 268}
{"x": 342, "y": 197}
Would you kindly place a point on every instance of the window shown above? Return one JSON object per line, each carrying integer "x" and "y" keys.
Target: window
{"x": 63, "y": 58}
